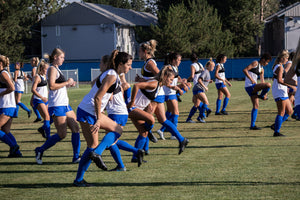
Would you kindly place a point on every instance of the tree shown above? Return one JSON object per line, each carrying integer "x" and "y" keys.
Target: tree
{"x": 286, "y": 3}
{"x": 114, "y": 3}
{"x": 43, "y": 8}
{"x": 16, "y": 18}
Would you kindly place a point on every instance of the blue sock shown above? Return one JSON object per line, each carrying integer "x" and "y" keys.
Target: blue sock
{"x": 115, "y": 152}
{"x": 203, "y": 109}
{"x": 264, "y": 92}
{"x": 127, "y": 95}
{"x": 14, "y": 141}
{"x": 106, "y": 142}
{"x": 218, "y": 105}
{"x": 253, "y": 117}
{"x": 148, "y": 127}
{"x": 5, "y": 138}
{"x": 17, "y": 110}
{"x": 173, "y": 130}
{"x": 139, "y": 143}
{"x": 278, "y": 122}
{"x": 50, "y": 142}
{"x": 46, "y": 127}
{"x": 37, "y": 113}
{"x": 192, "y": 112}
{"x": 297, "y": 111}
{"x": 84, "y": 164}
{"x": 146, "y": 146}
{"x": 174, "y": 119}
{"x": 225, "y": 103}
{"x": 126, "y": 146}
{"x": 168, "y": 116}
{"x": 285, "y": 117}
{"x": 199, "y": 108}
{"x": 76, "y": 145}
{"x": 23, "y": 106}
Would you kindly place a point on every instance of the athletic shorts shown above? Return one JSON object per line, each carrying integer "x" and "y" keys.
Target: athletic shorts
{"x": 160, "y": 99}
{"x": 197, "y": 91}
{"x": 281, "y": 98}
{"x": 19, "y": 92}
{"x": 36, "y": 102}
{"x": 119, "y": 119}
{"x": 291, "y": 90}
{"x": 59, "y": 111}
{"x": 220, "y": 85}
{"x": 83, "y": 116}
{"x": 170, "y": 97}
{"x": 250, "y": 89}
{"x": 11, "y": 112}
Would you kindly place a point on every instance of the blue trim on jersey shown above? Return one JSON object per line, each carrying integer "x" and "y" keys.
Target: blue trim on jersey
{"x": 281, "y": 98}
{"x": 197, "y": 91}
{"x": 250, "y": 89}
{"x": 119, "y": 119}
{"x": 36, "y": 102}
{"x": 11, "y": 112}
{"x": 83, "y": 116}
{"x": 220, "y": 85}
{"x": 59, "y": 111}
{"x": 160, "y": 99}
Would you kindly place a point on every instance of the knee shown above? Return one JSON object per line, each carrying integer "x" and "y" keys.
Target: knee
{"x": 269, "y": 85}
{"x": 152, "y": 120}
{"x": 228, "y": 95}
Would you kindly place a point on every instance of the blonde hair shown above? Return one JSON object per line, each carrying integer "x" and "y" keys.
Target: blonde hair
{"x": 149, "y": 47}
{"x": 5, "y": 61}
{"x": 42, "y": 64}
{"x": 209, "y": 62}
{"x": 283, "y": 54}
{"x": 164, "y": 72}
{"x": 35, "y": 61}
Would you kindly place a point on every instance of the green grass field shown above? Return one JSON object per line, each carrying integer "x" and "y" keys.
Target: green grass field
{"x": 224, "y": 159}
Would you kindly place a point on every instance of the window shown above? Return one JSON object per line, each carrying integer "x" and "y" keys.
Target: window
{"x": 57, "y": 30}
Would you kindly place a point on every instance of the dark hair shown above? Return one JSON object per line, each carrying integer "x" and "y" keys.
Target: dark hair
{"x": 194, "y": 57}
{"x": 266, "y": 56}
{"x": 170, "y": 57}
{"x": 220, "y": 57}
{"x": 117, "y": 58}
{"x": 292, "y": 54}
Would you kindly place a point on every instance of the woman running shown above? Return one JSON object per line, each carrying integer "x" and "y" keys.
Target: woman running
{"x": 252, "y": 72}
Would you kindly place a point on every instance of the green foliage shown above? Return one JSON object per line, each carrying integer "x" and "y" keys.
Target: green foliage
{"x": 47, "y": 7}
{"x": 16, "y": 18}
{"x": 114, "y": 3}
{"x": 197, "y": 29}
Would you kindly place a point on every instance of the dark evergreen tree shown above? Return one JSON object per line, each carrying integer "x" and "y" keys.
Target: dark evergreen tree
{"x": 114, "y": 3}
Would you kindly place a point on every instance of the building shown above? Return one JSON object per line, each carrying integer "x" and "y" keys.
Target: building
{"x": 282, "y": 30}
{"x": 87, "y": 31}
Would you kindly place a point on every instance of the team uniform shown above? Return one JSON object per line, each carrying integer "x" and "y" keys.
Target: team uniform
{"x": 19, "y": 88}
{"x": 58, "y": 105}
{"x": 220, "y": 84}
{"x": 147, "y": 75}
{"x": 297, "y": 94}
{"x": 8, "y": 108}
{"x": 35, "y": 110}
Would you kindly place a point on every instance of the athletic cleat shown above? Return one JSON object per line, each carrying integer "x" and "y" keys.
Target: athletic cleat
{"x": 151, "y": 137}
{"x": 161, "y": 134}
{"x": 224, "y": 112}
{"x": 189, "y": 121}
{"x": 135, "y": 160}
{"x": 76, "y": 160}
{"x": 208, "y": 112}
{"x": 179, "y": 99}
{"x": 147, "y": 153}
{"x": 201, "y": 120}
{"x": 81, "y": 183}
{"x": 273, "y": 126}
{"x": 277, "y": 134}
{"x": 218, "y": 113}
{"x": 255, "y": 128}
{"x": 37, "y": 120}
{"x": 140, "y": 156}
{"x": 13, "y": 150}
{"x": 29, "y": 113}
{"x": 42, "y": 131}
{"x": 38, "y": 156}
{"x": 98, "y": 160}
{"x": 173, "y": 137}
{"x": 182, "y": 145}
{"x": 118, "y": 169}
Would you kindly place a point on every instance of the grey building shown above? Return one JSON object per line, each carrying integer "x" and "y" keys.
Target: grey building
{"x": 282, "y": 30}
{"x": 87, "y": 31}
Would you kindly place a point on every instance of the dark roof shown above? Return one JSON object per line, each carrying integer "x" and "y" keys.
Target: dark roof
{"x": 290, "y": 11}
{"x": 89, "y": 14}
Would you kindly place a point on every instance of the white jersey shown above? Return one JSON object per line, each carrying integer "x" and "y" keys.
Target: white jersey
{"x": 42, "y": 88}
{"x": 117, "y": 104}
{"x": 278, "y": 90}
{"x": 144, "y": 97}
{"x": 147, "y": 75}
{"x": 58, "y": 97}
{"x": 253, "y": 73}
{"x": 19, "y": 84}
{"x": 221, "y": 73}
{"x": 168, "y": 91}
{"x": 88, "y": 103}
{"x": 7, "y": 100}
{"x": 198, "y": 69}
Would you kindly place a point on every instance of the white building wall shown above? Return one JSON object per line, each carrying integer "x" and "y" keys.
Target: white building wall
{"x": 292, "y": 32}
{"x": 126, "y": 40}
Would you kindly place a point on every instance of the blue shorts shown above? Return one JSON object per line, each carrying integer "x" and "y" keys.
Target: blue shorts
{"x": 170, "y": 97}
{"x": 197, "y": 91}
{"x": 291, "y": 90}
{"x": 11, "y": 112}
{"x": 281, "y": 98}
{"x": 250, "y": 89}
{"x": 19, "y": 92}
{"x": 59, "y": 111}
{"x": 160, "y": 99}
{"x": 36, "y": 102}
{"x": 119, "y": 119}
{"x": 220, "y": 85}
{"x": 83, "y": 116}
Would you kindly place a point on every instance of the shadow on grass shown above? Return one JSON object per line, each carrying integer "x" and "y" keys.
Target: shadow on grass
{"x": 154, "y": 184}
